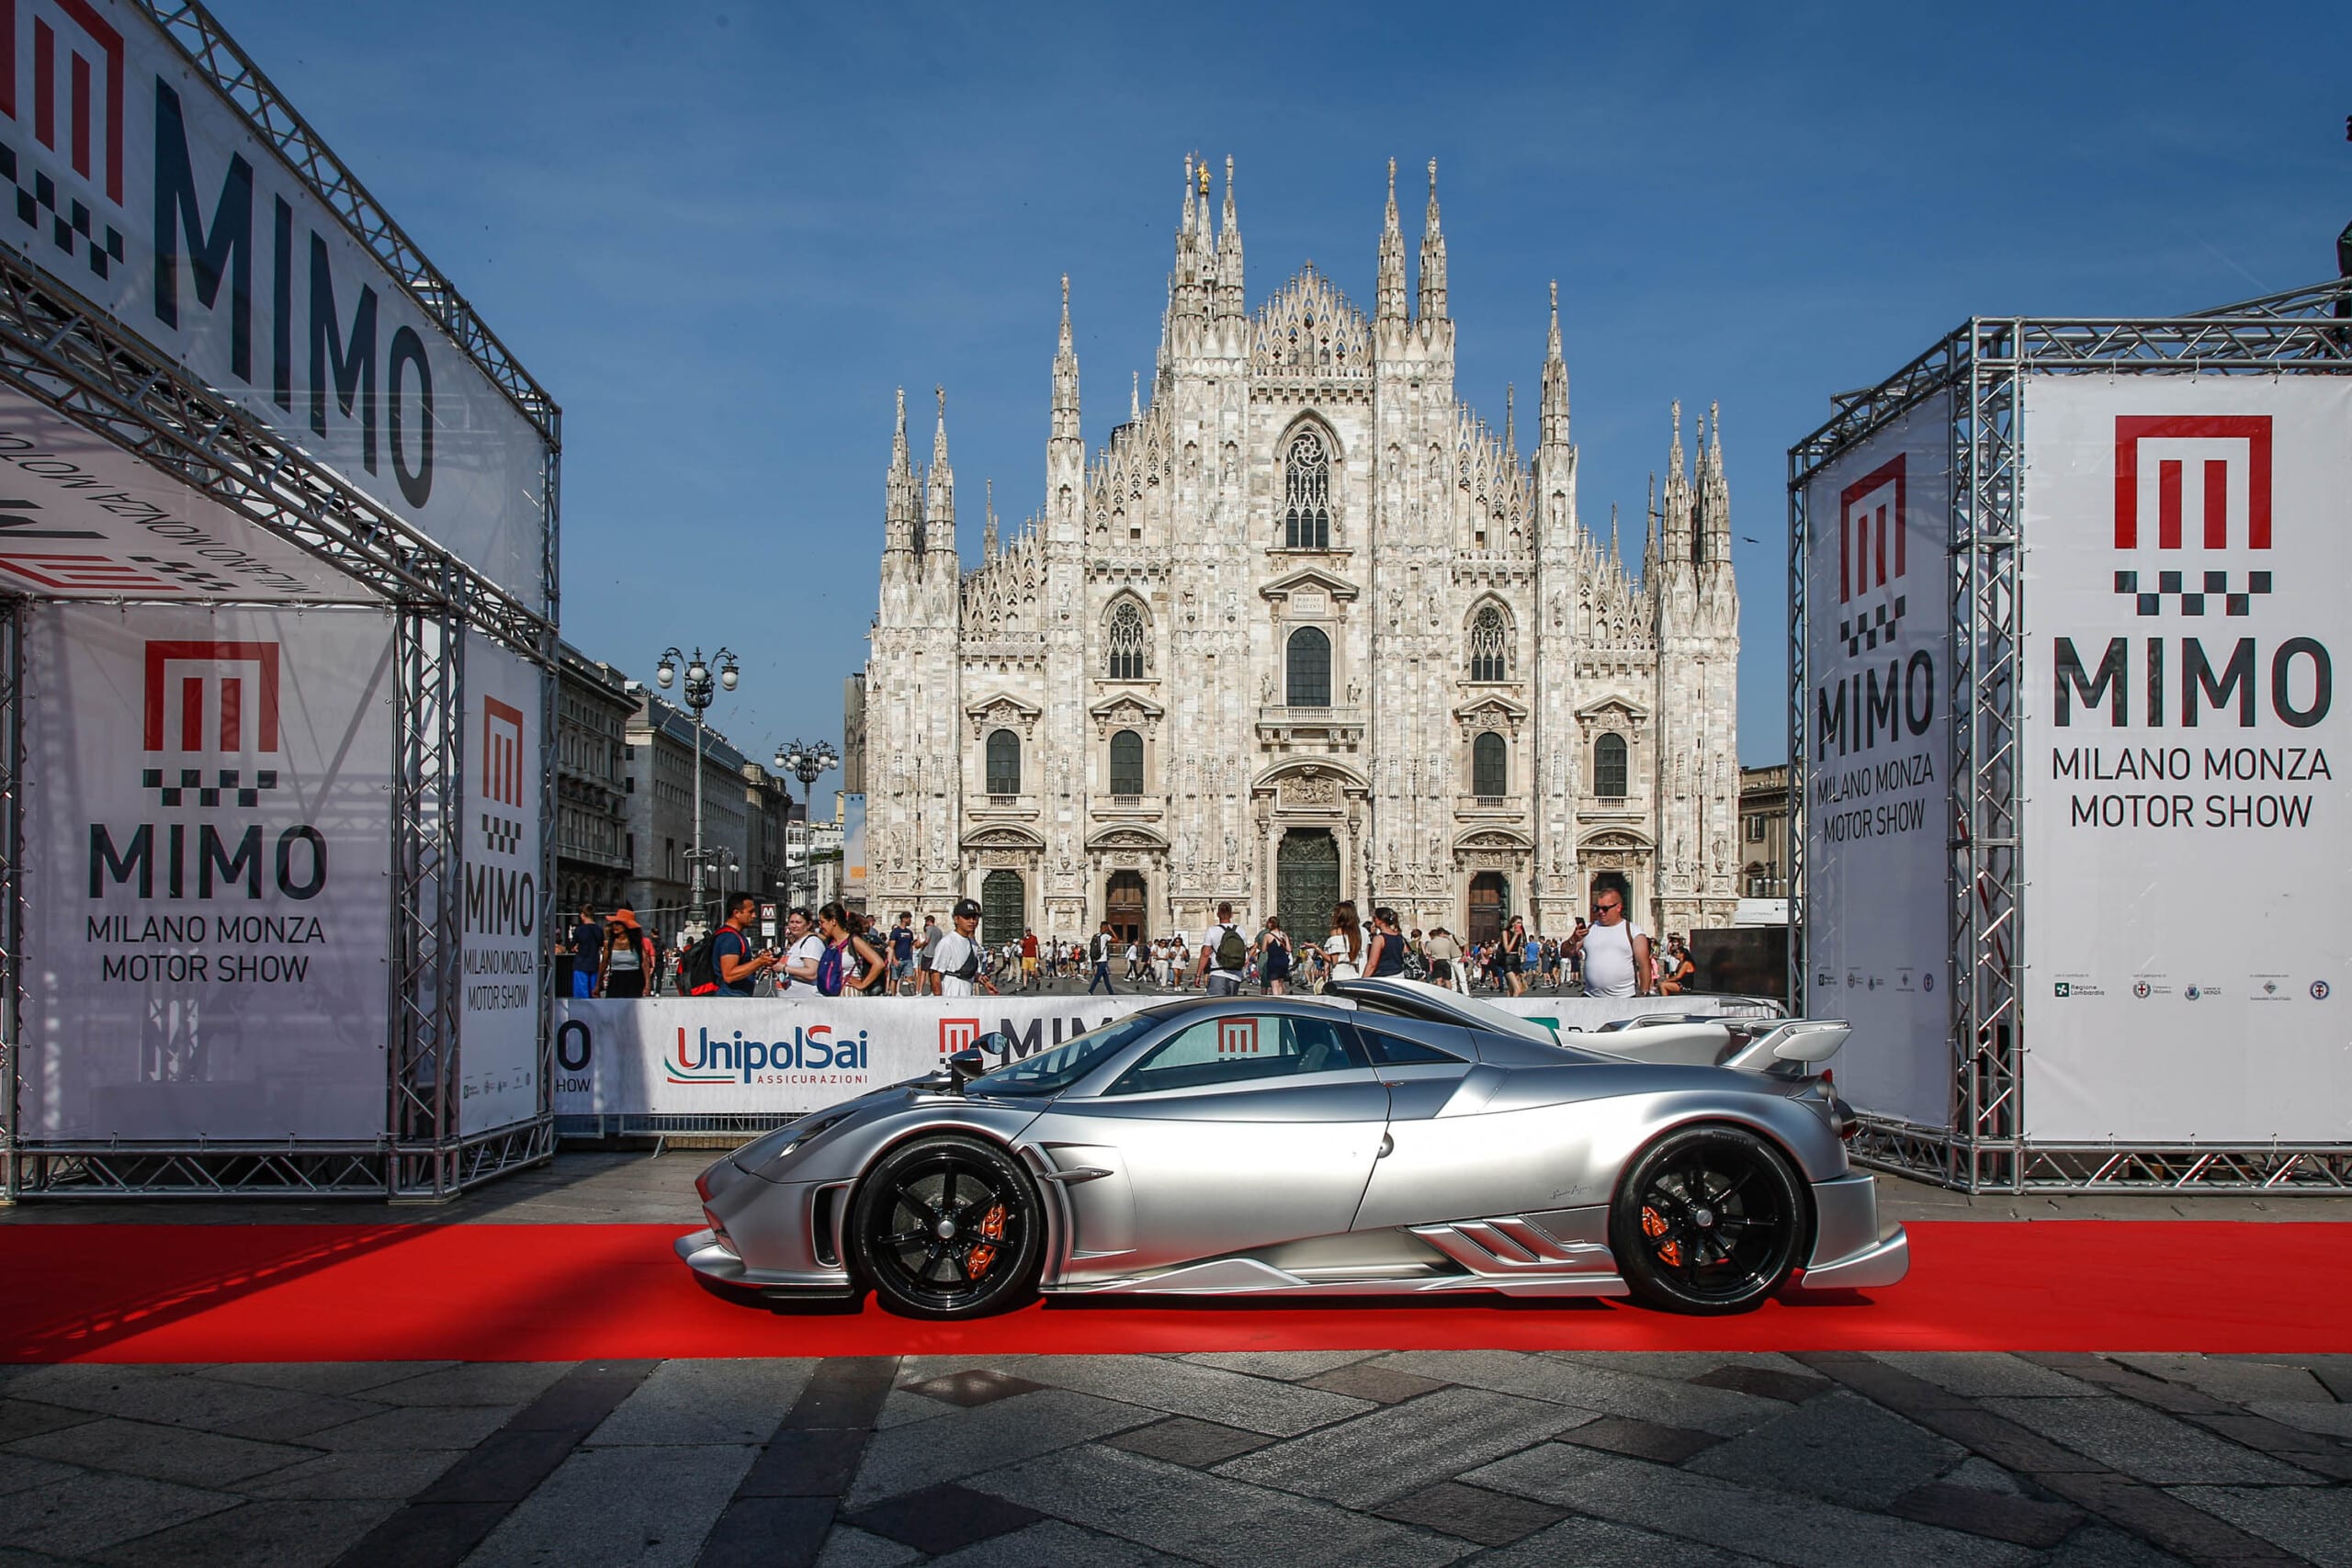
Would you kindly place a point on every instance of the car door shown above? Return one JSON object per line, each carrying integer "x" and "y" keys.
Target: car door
{"x": 1242, "y": 1129}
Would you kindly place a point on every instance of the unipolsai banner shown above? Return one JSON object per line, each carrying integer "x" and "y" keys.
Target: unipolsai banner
{"x": 2189, "y": 889}
{"x": 208, "y": 801}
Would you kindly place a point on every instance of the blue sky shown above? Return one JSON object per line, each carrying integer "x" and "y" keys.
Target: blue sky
{"x": 722, "y": 233}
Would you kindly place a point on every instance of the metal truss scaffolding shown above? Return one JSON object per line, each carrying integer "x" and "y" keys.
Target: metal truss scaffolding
{"x": 1980, "y": 371}
{"x": 64, "y": 353}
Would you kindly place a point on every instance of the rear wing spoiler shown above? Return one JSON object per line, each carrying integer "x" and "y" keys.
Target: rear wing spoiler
{"x": 1791, "y": 1047}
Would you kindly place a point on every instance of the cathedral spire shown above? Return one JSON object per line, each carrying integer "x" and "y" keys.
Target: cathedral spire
{"x": 1616, "y": 555}
{"x": 1066, "y": 377}
{"x": 1432, "y": 299}
{"x": 1510, "y": 421}
{"x": 1555, "y": 381}
{"x": 1391, "y": 307}
{"x": 1228, "y": 300}
{"x": 1134, "y": 396}
{"x": 1713, "y": 527}
{"x": 987, "y": 527}
{"x": 939, "y": 500}
{"x": 900, "y": 510}
{"x": 1189, "y": 287}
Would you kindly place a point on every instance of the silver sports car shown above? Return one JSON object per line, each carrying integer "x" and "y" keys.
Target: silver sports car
{"x": 1389, "y": 1139}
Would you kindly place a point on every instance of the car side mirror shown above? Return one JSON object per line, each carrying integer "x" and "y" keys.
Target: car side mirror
{"x": 967, "y": 1063}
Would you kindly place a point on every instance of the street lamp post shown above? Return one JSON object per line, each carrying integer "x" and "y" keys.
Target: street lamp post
{"x": 805, "y": 761}
{"x": 700, "y": 689}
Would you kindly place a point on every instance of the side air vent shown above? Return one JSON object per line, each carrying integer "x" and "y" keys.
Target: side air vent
{"x": 824, "y": 1222}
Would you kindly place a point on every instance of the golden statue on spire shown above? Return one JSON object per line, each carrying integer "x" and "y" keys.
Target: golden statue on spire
{"x": 1204, "y": 179}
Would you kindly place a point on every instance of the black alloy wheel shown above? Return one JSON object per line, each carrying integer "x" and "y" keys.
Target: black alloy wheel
{"x": 949, "y": 1227}
{"x": 1708, "y": 1220}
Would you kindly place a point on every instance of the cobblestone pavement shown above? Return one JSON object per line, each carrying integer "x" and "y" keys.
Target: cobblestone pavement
{"x": 1354, "y": 1458}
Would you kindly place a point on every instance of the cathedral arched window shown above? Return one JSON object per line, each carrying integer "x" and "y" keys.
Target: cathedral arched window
{"x": 1308, "y": 685}
{"x": 1489, "y": 769}
{"x": 1306, "y": 493}
{"x": 1609, "y": 766}
{"x": 1489, "y": 645}
{"x": 1004, "y": 763}
{"x": 1127, "y": 763}
{"x": 1126, "y": 642}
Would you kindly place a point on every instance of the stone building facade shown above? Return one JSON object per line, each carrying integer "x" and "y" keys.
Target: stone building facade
{"x": 1305, "y": 628}
{"x": 592, "y": 705}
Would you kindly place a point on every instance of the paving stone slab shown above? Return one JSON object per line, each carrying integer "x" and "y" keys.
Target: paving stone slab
{"x": 651, "y": 1506}
{"x": 1589, "y": 1387}
{"x": 2320, "y": 1420}
{"x": 1378, "y": 1384}
{"x": 461, "y": 1426}
{"x": 1982, "y": 1374}
{"x": 901, "y": 1407}
{"x": 509, "y": 1383}
{"x": 1982, "y": 1475}
{"x": 1642, "y": 1439}
{"x": 1597, "y": 1543}
{"x": 943, "y": 1519}
{"x": 720, "y": 1401}
{"x": 1050, "y": 1543}
{"x": 1402, "y": 1448}
{"x": 1209, "y": 1393}
{"x": 257, "y": 1535}
{"x": 1490, "y": 1518}
{"x": 848, "y": 1547}
{"x": 975, "y": 1385}
{"x": 164, "y": 1453}
{"x": 2010, "y": 1518}
{"x": 2144, "y": 1444}
{"x": 2099, "y": 1546}
{"x": 29, "y": 1417}
{"x": 168, "y": 1395}
{"x": 361, "y": 1475}
{"x": 1774, "y": 1526}
{"x": 1206, "y": 1517}
{"x": 301, "y": 1416}
{"x": 20, "y": 1473}
{"x": 1840, "y": 1447}
{"x": 1766, "y": 1383}
{"x": 909, "y": 1458}
{"x": 1290, "y": 1366}
{"x": 778, "y": 1532}
{"x": 2312, "y": 1525}
{"x": 88, "y": 1512}
{"x": 321, "y": 1377}
{"x": 1180, "y": 1439}
{"x": 2237, "y": 1381}
{"x": 803, "y": 1463}
{"x": 1679, "y": 1365}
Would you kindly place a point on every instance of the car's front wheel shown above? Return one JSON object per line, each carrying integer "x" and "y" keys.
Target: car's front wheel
{"x": 1708, "y": 1220}
{"x": 947, "y": 1227}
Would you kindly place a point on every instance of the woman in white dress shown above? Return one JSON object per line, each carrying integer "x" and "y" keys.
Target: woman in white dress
{"x": 1343, "y": 952}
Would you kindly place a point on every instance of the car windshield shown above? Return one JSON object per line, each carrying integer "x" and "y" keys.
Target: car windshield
{"x": 1052, "y": 1071}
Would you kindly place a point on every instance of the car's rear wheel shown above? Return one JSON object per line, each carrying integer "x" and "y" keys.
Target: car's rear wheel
{"x": 949, "y": 1227}
{"x": 1707, "y": 1220}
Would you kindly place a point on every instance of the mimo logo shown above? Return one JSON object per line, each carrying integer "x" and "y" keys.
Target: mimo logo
{"x": 207, "y": 704}
{"x": 2207, "y": 478}
{"x": 1873, "y": 552}
{"x": 957, "y": 1033}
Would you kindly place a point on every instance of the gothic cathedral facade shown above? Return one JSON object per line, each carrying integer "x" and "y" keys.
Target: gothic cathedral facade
{"x": 1306, "y": 628}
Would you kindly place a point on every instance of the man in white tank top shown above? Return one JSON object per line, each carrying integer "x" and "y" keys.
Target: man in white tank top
{"x": 1616, "y": 951}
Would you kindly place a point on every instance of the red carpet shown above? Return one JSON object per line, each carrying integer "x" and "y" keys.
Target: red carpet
{"x": 485, "y": 1292}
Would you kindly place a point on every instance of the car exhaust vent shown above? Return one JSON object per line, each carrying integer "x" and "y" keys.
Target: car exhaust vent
{"x": 824, "y": 1212}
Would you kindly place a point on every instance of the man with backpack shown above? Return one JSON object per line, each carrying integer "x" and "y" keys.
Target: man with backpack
{"x": 958, "y": 962}
{"x": 1224, "y": 952}
{"x": 1098, "y": 952}
{"x": 735, "y": 967}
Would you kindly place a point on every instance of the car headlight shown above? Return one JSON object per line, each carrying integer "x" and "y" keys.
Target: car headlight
{"x": 762, "y": 1156}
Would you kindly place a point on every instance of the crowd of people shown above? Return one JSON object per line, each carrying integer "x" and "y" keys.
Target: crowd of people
{"x": 839, "y": 951}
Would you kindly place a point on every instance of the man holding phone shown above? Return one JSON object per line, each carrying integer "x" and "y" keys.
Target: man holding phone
{"x": 733, "y": 961}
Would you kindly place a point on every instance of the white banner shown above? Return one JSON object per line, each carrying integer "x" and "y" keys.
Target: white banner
{"x": 81, "y": 518}
{"x": 2189, "y": 914}
{"x": 1878, "y": 764}
{"x": 498, "y": 1040}
{"x": 143, "y": 190}
{"x": 715, "y": 1055}
{"x": 206, "y": 846}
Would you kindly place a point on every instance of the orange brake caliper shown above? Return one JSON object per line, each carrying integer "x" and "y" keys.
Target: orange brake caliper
{"x": 1653, "y": 1226}
{"x": 983, "y": 1255}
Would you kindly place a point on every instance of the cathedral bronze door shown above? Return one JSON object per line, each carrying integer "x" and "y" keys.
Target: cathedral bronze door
{"x": 1122, "y": 905}
{"x": 1489, "y": 900}
{"x": 1003, "y": 907}
{"x": 1307, "y": 882}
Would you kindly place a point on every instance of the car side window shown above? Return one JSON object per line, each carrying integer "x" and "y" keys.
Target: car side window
{"x": 1394, "y": 1050}
{"x": 1237, "y": 1050}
